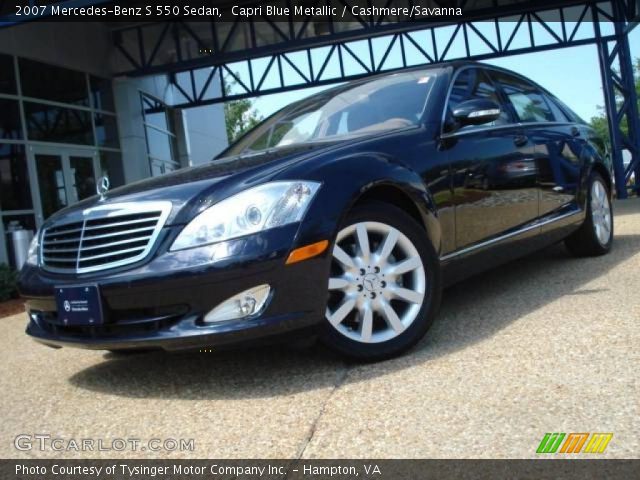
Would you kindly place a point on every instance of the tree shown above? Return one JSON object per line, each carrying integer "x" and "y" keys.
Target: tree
{"x": 599, "y": 122}
{"x": 239, "y": 115}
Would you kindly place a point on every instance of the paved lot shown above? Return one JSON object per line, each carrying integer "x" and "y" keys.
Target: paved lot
{"x": 545, "y": 344}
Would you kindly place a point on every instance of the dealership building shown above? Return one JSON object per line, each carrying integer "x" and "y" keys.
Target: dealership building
{"x": 141, "y": 97}
{"x": 65, "y": 121}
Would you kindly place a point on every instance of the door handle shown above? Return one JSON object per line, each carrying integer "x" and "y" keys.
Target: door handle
{"x": 575, "y": 131}
{"x": 520, "y": 140}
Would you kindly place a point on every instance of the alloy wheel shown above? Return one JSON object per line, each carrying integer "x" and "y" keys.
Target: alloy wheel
{"x": 601, "y": 212}
{"x": 377, "y": 283}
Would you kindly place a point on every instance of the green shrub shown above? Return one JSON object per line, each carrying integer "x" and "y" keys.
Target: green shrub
{"x": 7, "y": 283}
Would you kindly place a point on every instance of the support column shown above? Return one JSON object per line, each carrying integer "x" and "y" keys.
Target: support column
{"x": 621, "y": 101}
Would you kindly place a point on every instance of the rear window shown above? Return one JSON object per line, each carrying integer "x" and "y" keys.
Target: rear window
{"x": 528, "y": 101}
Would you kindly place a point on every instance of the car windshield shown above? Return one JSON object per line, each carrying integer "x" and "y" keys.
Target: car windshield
{"x": 390, "y": 102}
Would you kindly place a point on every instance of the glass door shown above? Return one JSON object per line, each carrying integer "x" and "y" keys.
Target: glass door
{"x": 63, "y": 177}
{"x": 83, "y": 177}
{"x": 51, "y": 184}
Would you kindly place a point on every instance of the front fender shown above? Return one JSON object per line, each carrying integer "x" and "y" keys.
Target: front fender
{"x": 348, "y": 179}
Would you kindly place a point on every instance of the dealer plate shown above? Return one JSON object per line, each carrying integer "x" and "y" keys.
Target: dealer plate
{"x": 79, "y": 305}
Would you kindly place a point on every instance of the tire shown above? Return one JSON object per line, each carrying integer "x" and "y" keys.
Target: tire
{"x": 396, "y": 291}
{"x": 595, "y": 235}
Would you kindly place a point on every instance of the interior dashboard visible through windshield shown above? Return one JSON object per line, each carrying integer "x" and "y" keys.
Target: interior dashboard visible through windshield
{"x": 387, "y": 103}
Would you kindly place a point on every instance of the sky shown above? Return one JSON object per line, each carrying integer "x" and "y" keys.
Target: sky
{"x": 572, "y": 74}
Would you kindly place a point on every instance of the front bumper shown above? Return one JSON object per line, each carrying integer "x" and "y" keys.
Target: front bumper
{"x": 161, "y": 304}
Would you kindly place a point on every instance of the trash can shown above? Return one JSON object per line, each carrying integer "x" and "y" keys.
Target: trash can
{"x": 20, "y": 240}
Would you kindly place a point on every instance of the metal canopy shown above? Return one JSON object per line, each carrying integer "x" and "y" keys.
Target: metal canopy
{"x": 212, "y": 62}
{"x": 247, "y": 38}
{"x": 361, "y": 49}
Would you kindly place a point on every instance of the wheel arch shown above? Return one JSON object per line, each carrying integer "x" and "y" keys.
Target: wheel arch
{"x": 416, "y": 202}
{"x": 394, "y": 195}
{"x": 605, "y": 173}
{"x": 351, "y": 180}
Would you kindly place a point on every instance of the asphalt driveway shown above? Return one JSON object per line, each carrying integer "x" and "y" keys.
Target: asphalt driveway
{"x": 545, "y": 344}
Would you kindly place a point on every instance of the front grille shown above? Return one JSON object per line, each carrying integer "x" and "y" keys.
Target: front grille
{"x": 106, "y": 236}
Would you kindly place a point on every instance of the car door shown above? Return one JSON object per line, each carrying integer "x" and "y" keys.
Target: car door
{"x": 559, "y": 142}
{"x": 493, "y": 168}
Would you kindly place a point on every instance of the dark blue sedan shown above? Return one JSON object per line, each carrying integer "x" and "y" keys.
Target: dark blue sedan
{"x": 341, "y": 216}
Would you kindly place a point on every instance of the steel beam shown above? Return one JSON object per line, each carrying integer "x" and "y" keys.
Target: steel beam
{"x": 621, "y": 102}
{"x": 238, "y": 40}
{"x": 426, "y": 45}
{"x": 301, "y": 56}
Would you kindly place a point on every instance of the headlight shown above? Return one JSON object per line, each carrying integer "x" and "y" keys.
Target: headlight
{"x": 257, "y": 209}
{"x": 32, "y": 253}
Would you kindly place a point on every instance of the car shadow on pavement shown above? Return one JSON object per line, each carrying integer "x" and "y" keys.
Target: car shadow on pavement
{"x": 472, "y": 311}
{"x": 627, "y": 207}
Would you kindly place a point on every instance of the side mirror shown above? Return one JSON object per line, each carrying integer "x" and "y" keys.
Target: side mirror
{"x": 476, "y": 112}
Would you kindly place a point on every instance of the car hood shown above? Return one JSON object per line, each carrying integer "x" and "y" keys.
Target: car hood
{"x": 193, "y": 189}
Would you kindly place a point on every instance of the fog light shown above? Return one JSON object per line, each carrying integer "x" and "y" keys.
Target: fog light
{"x": 241, "y": 305}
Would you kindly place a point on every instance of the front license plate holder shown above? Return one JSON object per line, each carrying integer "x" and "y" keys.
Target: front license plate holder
{"x": 79, "y": 305}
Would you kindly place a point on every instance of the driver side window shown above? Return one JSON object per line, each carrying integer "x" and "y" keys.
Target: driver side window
{"x": 474, "y": 83}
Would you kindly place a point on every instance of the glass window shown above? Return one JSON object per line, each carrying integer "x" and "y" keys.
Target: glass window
{"x": 83, "y": 176}
{"x": 530, "y": 107}
{"x": 159, "y": 144}
{"x": 156, "y": 168}
{"x": 15, "y": 192}
{"x": 57, "y": 124}
{"x": 527, "y": 100}
{"x": 10, "y": 127}
{"x": 160, "y": 168}
{"x": 573, "y": 116}
{"x": 53, "y": 193}
{"x": 158, "y": 120}
{"x": 58, "y": 84}
{"x": 382, "y": 104}
{"x": 101, "y": 94}
{"x": 111, "y": 166}
{"x": 161, "y": 140}
{"x": 474, "y": 83}
{"x": 7, "y": 75}
{"x": 558, "y": 114}
{"x": 106, "y": 130}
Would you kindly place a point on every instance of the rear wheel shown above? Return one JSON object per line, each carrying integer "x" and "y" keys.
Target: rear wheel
{"x": 595, "y": 236}
{"x": 384, "y": 286}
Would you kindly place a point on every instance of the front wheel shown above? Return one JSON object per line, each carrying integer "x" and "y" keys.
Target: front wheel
{"x": 595, "y": 236}
{"x": 384, "y": 285}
